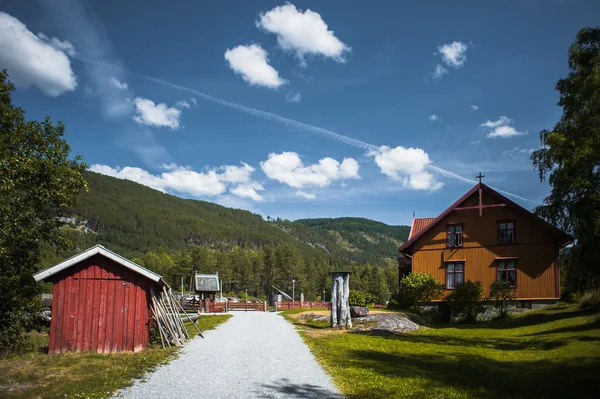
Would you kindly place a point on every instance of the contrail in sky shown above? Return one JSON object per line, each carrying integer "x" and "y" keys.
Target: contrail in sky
{"x": 301, "y": 125}
{"x": 305, "y": 126}
{"x": 308, "y": 127}
{"x": 266, "y": 115}
{"x": 453, "y": 175}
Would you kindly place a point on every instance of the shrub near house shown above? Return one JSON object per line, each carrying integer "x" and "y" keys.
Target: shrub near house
{"x": 502, "y": 297}
{"x": 417, "y": 288}
{"x": 466, "y": 301}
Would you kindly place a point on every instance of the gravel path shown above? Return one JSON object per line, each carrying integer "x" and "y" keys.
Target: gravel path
{"x": 252, "y": 355}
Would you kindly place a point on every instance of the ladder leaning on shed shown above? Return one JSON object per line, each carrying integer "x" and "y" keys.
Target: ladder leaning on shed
{"x": 165, "y": 311}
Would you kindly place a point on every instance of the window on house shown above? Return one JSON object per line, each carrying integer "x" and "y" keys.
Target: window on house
{"x": 507, "y": 271}
{"x": 454, "y": 235}
{"x": 506, "y": 232}
{"x": 455, "y": 274}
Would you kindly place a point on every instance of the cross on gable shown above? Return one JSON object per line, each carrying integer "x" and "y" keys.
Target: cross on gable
{"x": 480, "y": 176}
{"x": 480, "y": 206}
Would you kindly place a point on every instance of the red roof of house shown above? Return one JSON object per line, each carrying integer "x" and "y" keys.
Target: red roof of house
{"x": 418, "y": 225}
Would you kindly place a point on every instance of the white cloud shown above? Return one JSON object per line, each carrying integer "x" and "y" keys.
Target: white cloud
{"x": 184, "y": 180}
{"x": 406, "y": 165}
{"x": 292, "y": 97}
{"x": 179, "y": 179}
{"x": 434, "y": 117}
{"x": 35, "y": 60}
{"x": 439, "y": 71}
{"x": 62, "y": 45}
{"x": 501, "y": 128}
{"x": 236, "y": 174}
{"x": 474, "y": 107}
{"x": 130, "y": 173}
{"x": 454, "y": 54}
{"x": 148, "y": 113}
{"x": 192, "y": 99}
{"x": 252, "y": 64}
{"x": 289, "y": 169}
{"x": 99, "y": 62}
{"x": 502, "y": 121}
{"x": 248, "y": 190}
{"x": 304, "y": 33}
{"x": 519, "y": 153}
{"x": 504, "y": 131}
{"x": 182, "y": 104}
{"x": 306, "y": 195}
{"x": 117, "y": 83}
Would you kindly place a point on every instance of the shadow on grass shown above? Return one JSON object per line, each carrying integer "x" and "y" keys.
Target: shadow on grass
{"x": 506, "y": 344}
{"x": 312, "y": 324}
{"x": 525, "y": 319}
{"x": 482, "y": 377}
{"x": 317, "y": 325}
{"x": 287, "y": 389}
{"x": 594, "y": 325}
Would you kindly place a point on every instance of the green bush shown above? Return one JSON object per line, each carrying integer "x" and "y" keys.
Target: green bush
{"x": 466, "y": 301}
{"x": 359, "y": 298}
{"x": 393, "y": 304}
{"x": 502, "y": 297}
{"x": 417, "y": 288}
{"x": 589, "y": 299}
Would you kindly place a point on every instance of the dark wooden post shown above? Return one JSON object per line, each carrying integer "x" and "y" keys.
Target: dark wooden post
{"x": 340, "y": 308}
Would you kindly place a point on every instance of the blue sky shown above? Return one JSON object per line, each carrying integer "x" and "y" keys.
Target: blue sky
{"x": 303, "y": 109}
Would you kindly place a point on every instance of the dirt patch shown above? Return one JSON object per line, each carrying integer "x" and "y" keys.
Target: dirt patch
{"x": 313, "y": 316}
{"x": 377, "y": 322}
{"x": 312, "y": 313}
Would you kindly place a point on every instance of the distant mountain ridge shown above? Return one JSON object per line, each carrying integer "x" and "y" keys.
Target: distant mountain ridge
{"x": 132, "y": 219}
{"x": 360, "y": 239}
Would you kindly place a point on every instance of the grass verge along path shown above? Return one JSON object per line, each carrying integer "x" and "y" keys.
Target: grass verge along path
{"x": 550, "y": 353}
{"x": 83, "y": 375}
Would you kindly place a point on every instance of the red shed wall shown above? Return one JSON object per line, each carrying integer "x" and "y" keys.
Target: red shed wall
{"x": 100, "y": 306}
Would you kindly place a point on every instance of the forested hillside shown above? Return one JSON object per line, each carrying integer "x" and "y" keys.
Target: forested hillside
{"x": 135, "y": 218}
{"x": 359, "y": 239}
{"x": 176, "y": 237}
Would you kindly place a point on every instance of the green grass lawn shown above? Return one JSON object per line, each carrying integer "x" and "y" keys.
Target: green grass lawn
{"x": 550, "y": 353}
{"x": 82, "y": 375}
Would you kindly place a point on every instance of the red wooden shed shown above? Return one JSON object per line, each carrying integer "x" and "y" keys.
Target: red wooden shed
{"x": 101, "y": 303}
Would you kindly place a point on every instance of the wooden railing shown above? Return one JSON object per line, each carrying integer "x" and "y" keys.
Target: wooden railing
{"x": 302, "y": 305}
{"x": 218, "y": 307}
{"x": 245, "y": 306}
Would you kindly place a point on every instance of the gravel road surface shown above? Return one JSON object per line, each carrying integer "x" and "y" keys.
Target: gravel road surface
{"x": 252, "y": 355}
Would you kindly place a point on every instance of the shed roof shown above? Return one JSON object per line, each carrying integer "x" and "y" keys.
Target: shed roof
{"x": 97, "y": 250}
{"x": 207, "y": 282}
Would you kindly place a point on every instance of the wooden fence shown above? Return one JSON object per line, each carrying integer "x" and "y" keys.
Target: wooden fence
{"x": 245, "y": 306}
{"x": 217, "y": 307}
{"x": 302, "y": 305}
